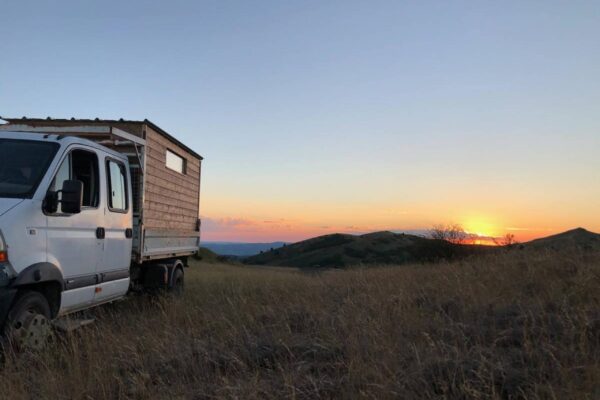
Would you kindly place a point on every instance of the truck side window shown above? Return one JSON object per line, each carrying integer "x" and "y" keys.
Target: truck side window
{"x": 82, "y": 166}
{"x": 85, "y": 169}
{"x": 117, "y": 188}
{"x": 63, "y": 174}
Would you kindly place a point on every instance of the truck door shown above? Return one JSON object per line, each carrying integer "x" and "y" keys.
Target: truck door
{"x": 73, "y": 242}
{"x": 113, "y": 269}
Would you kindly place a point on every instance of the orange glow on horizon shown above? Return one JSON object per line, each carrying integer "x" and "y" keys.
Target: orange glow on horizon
{"x": 292, "y": 220}
{"x": 480, "y": 230}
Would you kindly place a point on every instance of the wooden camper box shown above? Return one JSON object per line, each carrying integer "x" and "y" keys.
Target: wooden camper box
{"x": 166, "y": 201}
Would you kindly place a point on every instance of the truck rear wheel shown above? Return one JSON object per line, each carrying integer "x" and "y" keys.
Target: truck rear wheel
{"x": 177, "y": 283}
{"x": 28, "y": 322}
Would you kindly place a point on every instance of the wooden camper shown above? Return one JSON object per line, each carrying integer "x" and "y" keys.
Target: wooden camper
{"x": 165, "y": 179}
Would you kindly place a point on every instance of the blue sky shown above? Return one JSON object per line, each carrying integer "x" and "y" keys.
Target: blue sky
{"x": 321, "y": 114}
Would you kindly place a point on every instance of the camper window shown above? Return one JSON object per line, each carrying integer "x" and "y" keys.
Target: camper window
{"x": 175, "y": 162}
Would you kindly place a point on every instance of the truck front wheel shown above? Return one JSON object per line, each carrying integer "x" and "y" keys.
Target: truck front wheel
{"x": 28, "y": 322}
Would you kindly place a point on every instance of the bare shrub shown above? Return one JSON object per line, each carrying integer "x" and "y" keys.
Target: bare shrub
{"x": 507, "y": 240}
{"x": 453, "y": 233}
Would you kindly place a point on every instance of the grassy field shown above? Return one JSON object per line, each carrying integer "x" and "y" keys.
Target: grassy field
{"x": 509, "y": 326}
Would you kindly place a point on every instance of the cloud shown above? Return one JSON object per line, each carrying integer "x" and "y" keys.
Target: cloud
{"x": 244, "y": 227}
{"x": 395, "y": 211}
{"x": 227, "y": 222}
{"x": 512, "y": 228}
{"x": 277, "y": 221}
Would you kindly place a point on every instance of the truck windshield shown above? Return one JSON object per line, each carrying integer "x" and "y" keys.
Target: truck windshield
{"x": 22, "y": 166}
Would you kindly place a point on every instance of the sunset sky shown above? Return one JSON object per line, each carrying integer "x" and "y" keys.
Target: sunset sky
{"x": 338, "y": 116}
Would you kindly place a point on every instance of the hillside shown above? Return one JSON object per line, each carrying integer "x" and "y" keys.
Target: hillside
{"x": 240, "y": 249}
{"x": 208, "y": 256}
{"x": 340, "y": 250}
{"x": 578, "y": 237}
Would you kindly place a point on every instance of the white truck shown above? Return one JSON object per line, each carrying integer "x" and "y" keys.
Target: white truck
{"x": 90, "y": 210}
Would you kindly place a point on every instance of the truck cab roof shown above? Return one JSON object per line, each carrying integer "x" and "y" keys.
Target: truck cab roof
{"x": 63, "y": 140}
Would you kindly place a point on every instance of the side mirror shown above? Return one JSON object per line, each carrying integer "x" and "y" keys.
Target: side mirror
{"x": 72, "y": 197}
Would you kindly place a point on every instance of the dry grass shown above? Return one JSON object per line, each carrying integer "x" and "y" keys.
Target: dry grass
{"x": 511, "y": 326}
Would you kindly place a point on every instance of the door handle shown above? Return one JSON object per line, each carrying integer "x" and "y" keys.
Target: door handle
{"x": 128, "y": 233}
{"x": 100, "y": 233}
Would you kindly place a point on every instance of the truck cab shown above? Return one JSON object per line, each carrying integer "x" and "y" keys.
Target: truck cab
{"x": 65, "y": 224}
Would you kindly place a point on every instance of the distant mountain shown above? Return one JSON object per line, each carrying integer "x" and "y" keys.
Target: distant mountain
{"x": 241, "y": 249}
{"x": 340, "y": 250}
{"x": 579, "y": 238}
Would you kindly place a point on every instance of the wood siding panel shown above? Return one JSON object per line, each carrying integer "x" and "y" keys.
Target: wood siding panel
{"x": 158, "y": 145}
{"x": 170, "y": 225}
{"x": 165, "y": 176}
{"x": 171, "y": 199}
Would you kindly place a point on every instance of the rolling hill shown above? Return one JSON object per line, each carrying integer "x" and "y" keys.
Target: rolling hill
{"x": 578, "y": 237}
{"x": 342, "y": 250}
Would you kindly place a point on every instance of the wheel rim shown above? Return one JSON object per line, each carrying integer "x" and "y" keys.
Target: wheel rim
{"x": 30, "y": 330}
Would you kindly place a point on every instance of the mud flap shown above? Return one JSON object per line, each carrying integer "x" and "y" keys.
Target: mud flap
{"x": 7, "y": 295}
{"x": 156, "y": 276}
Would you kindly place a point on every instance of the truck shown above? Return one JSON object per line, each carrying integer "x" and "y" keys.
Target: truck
{"x": 90, "y": 210}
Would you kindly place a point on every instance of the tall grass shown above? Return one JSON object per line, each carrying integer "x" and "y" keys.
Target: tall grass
{"x": 517, "y": 325}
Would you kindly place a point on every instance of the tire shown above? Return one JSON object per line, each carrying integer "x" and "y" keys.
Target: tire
{"x": 28, "y": 322}
{"x": 177, "y": 285}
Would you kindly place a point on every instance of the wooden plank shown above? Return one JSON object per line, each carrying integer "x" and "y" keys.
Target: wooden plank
{"x": 163, "y": 176}
{"x": 172, "y": 209}
{"x": 161, "y": 195}
{"x": 166, "y": 195}
{"x": 190, "y": 192}
{"x": 172, "y": 176}
{"x": 153, "y": 214}
{"x": 181, "y": 215}
{"x": 150, "y": 233}
{"x": 151, "y": 223}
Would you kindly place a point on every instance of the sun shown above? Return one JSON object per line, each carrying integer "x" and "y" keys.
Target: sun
{"x": 481, "y": 226}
